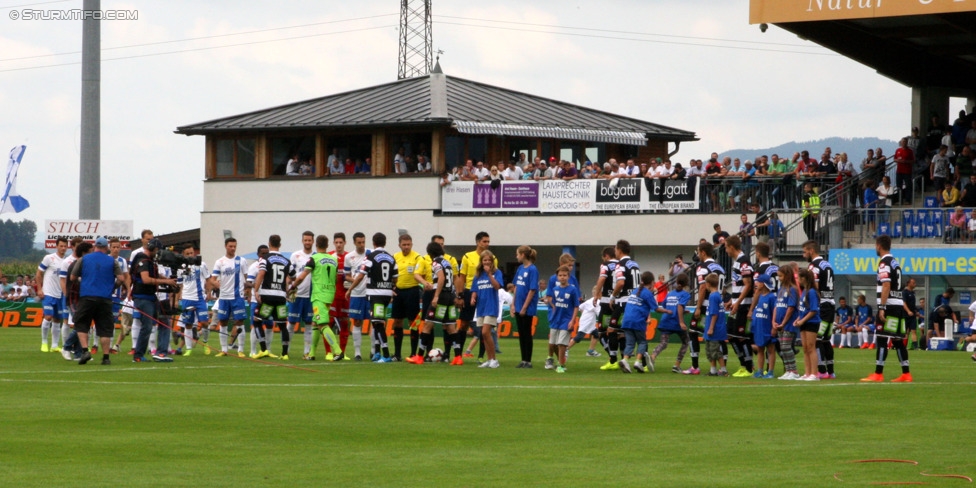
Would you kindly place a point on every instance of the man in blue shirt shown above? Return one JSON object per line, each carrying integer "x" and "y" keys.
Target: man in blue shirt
{"x": 99, "y": 275}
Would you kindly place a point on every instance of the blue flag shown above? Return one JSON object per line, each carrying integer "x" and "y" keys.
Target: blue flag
{"x": 10, "y": 201}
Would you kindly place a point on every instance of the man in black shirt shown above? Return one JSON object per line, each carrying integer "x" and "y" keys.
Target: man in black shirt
{"x": 145, "y": 285}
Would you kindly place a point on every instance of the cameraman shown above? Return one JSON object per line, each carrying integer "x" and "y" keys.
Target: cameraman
{"x": 145, "y": 285}
{"x": 678, "y": 266}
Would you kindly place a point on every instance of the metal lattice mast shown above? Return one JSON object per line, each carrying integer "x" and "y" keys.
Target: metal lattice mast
{"x": 416, "y": 38}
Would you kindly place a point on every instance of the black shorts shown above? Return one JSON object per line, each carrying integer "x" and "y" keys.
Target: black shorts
{"x": 810, "y": 327}
{"x": 616, "y": 317}
{"x": 603, "y": 319}
{"x": 272, "y": 307}
{"x": 97, "y": 310}
{"x": 406, "y": 303}
{"x": 911, "y": 323}
{"x": 467, "y": 311}
{"x": 425, "y": 299}
{"x": 737, "y": 323}
{"x": 827, "y": 313}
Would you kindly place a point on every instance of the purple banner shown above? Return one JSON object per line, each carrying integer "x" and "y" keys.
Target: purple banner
{"x": 520, "y": 195}
{"x": 487, "y": 197}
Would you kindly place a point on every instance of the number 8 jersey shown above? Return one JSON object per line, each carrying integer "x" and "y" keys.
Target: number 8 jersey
{"x": 381, "y": 273}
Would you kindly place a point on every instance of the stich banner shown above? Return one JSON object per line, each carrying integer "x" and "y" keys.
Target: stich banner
{"x": 89, "y": 230}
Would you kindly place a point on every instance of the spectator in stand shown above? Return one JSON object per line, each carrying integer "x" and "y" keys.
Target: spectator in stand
{"x": 971, "y": 227}
{"x": 678, "y": 266}
{"x": 959, "y": 129}
{"x": 293, "y": 166}
{"x": 968, "y": 196}
{"x": 873, "y": 165}
{"x": 481, "y": 172}
{"x": 695, "y": 169}
{"x": 552, "y": 172}
{"x": 958, "y": 226}
{"x": 811, "y": 211}
{"x": 350, "y": 167}
{"x": 905, "y": 161}
{"x": 747, "y": 231}
{"x": 660, "y": 289}
{"x": 631, "y": 171}
{"x": 933, "y": 138}
{"x": 448, "y": 177}
{"x": 333, "y": 158}
{"x": 870, "y": 204}
{"x": 568, "y": 171}
{"x": 964, "y": 163}
{"x": 399, "y": 162}
{"x": 846, "y": 172}
{"x": 539, "y": 172}
{"x": 335, "y": 166}
{"x": 364, "y": 167}
{"x": 493, "y": 175}
{"x": 513, "y": 172}
{"x": 939, "y": 171}
{"x": 971, "y": 136}
{"x": 678, "y": 173}
{"x": 917, "y": 145}
{"x": 886, "y": 194}
{"x": 950, "y": 195}
{"x": 588, "y": 171}
{"x": 719, "y": 236}
{"x": 423, "y": 165}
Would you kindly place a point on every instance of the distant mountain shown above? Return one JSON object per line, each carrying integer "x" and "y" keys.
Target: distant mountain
{"x": 855, "y": 148}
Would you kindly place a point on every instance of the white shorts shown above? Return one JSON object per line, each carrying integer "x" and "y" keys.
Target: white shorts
{"x": 483, "y": 321}
{"x": 559, "y": 337}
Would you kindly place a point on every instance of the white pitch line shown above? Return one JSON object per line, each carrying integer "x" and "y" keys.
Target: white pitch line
{"x": 96, "y": 369}
{"x": 486, "y": 387}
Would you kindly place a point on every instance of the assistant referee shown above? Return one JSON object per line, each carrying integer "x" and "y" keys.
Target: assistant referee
{"x": 99, "y": 275}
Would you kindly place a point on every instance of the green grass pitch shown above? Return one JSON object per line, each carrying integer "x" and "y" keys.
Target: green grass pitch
{"x": 214, "y": 422}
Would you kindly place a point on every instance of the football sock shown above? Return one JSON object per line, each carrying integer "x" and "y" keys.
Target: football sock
{"x": 695, "y": 349}
{"x": 481, "y": 344}
{"x": 314, "y": 341}
{"x": 285, "y": 338}
{"x": 379, "y": 337}
{"x": 262, "y": 339}
{"x": 56, "y": 335}
{"x": 829, "y": 362}
{"x": 822, "y": 356}
{"x": 254, "y": 340}
{"x": 902, "y": 352}
{"x": 414, "y": 341}
{"x": 881, "y": 354}
{"x": 224, "y": 338}
{"x": 357, "y": 338}
{"x": 725, "y": 351}
{"x": 191, "y": 336}
{"x": 613, "y": 341}
{"x": 448, "y": 340}
{"x": 397, "y": 341}
{"x": 458, "y": 343}
{"x": 65, "y": 331}
{"x": 269, "y": 334}
{"x": 425, "y": 339}
{"x": 309, "y": 340}
{"x": 331, "y": 338}
{"x": 205, "y": 334}
{"x": 45, "y": 332}
{"x": 241, "y": 338}
{"x": 344, "y": 334}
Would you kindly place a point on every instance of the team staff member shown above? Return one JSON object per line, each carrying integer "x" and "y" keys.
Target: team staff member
{"x": 99, "y": 275}
{"x": 469, "y": 268}
{"x": 823, "y": 276}
{"x": 145, "y": 286}
{"x": 911, "y": 313}
{"x": 891, "y": 313}
{"x": 406, "y": 300}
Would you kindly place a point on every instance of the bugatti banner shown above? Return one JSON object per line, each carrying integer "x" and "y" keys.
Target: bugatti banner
{"x": 573, "y": 196}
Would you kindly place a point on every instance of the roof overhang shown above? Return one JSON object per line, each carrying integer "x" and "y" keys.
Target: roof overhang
{"x": 551, "y": 132}
{"x": 915, "y": 43}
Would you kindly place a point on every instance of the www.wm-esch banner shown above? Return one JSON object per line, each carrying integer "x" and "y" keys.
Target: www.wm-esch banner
{"x": 548, "y": 196}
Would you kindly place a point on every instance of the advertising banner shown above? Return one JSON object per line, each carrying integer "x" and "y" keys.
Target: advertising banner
{"x": 573, "y": 196}
{"x": 89, "y": 230}
{"x": 943, "y": 262}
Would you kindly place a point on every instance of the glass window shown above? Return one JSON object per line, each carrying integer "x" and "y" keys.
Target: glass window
{"x": 245, "y": 157}
{"x": 454, "y": 151}
{"x": 300, "y": 151}
{"x": 225, "y": 157}
{"x": 349, "y": 152}
{"x": 521, "y": 150}
{"x": 477, "y": 148}
{"x": 411, "y": 151}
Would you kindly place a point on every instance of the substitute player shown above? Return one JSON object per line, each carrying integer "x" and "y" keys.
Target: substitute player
{"x": 49, "y": 293}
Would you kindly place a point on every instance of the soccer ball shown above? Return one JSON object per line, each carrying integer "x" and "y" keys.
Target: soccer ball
{"x": 435, "y": 355}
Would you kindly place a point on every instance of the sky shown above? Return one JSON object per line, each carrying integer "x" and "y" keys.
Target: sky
{"x": 693, "y": 64}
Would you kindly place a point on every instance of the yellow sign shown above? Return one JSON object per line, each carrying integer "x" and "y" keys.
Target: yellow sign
{"x": 781, "y": 11}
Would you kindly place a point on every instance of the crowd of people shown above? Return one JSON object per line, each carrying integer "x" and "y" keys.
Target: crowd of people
{"x": 23, "y": 289}
{"x": 759, "y": 309}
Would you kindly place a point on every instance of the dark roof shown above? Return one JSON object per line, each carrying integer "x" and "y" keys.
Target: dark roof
{"x": 409, "y": 101}
{"x": 916, "y": 50}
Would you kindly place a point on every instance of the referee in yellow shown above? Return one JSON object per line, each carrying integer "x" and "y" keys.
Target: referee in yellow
{"x": 406, "y": 300}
